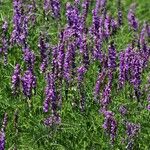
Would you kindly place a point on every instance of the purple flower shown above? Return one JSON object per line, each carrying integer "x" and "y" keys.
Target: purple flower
{"x": 2, "y": 132}
{"x": 99, "y": 81}
{"x": 132, "y": 129}
{"x": 123, "y": 110}
{"x": 72, "y": 14}
{"x": 50, "y": 94}
{"x": 110, "y": 125}
{"x": 52, "y": 120}
{"x": 68, "y": 61}
{"x": 28, "y": 83}
{"x": 29, "y": 57}
{"x": 107, "y": 25}
{"x": 2, "y": 140}
{"x": 132, "y": 20}
{"x": 106, "y": 96}
{"x": 55, "y": 6}
{"x": 112, "y": 56}
{"x": 15, "y": 80}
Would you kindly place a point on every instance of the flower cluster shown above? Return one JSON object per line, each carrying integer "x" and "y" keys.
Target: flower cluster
{"x": 110, "y": 125}
{"x": 28, "y": 83}
{"x": 16, "y": 79}
{"x": 2, "y": 132}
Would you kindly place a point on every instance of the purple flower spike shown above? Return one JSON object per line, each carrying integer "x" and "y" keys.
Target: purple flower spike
{"x": 29, "y": 57}
{"x": 110, "y": 125}
{"x": 99, "y": 81}
{"x": 112, "y": 56}
{"x": 50, "y": 94}
{"x": 132, "y": 20}
{"x": 16, "y": 79}
{"x": 55, "y": 6}
{"x": 132, "y": 130}
{"x": 106, "y": 96}
{"x": 2, "y": 132}
{"x": 28, "y": 83}
{"x": 52, "y": 120}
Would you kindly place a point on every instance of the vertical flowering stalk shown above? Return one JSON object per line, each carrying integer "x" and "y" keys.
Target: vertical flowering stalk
{"x": 132, "y": 20}
{"x": 55, "y": 6}
{"x": 15, "y": 80}
{"x": 68, "y": 62}
{"x": 28, "y": 83}
{"x": 44, "y": 53}
{"x": 4, "y": 48}
{"x": 136, "y": 71}
{"x": 2, "y": 132}
{"x": 50, "y": 102}
{"x": 80, "y": 72}
{"x": 110, "y": 125}
{"x": 99, "y": 81}
{"x": 107, "y": 26}
{"x": 132, "y": 131}
{"x": 106, "y": 96}
{"x": 29, "y": 57}
{"x": 17, "y": 21}
{"x": 112, "y": 56}
{"x": 50, "y": 94}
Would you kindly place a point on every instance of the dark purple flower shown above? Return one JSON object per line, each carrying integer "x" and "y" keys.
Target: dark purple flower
{"x": 15, "y": 80}
{"x": 72, "y": 14}
{"x": 52, "y": 120}
{"x": 112, "y": 56}
{"x": 132, "y": 20}
{"x": 28, "y": 83}
{"x": 55, "y": 6}
{"x": 107, "y": 25}
{"x": 2, "y": 132}
{"x": 132, "y": 129}
{"x": 50, "y": 94}
{"x": 29, "y": 57}
{"x": 110, "y": 125}
{"x": 99, "y": 81}
{"x": 106, "y": 96}
{"x": 68, "y": 61}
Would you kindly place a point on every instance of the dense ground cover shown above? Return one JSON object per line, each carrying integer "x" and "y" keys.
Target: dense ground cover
{"x": 82, "y": 85}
